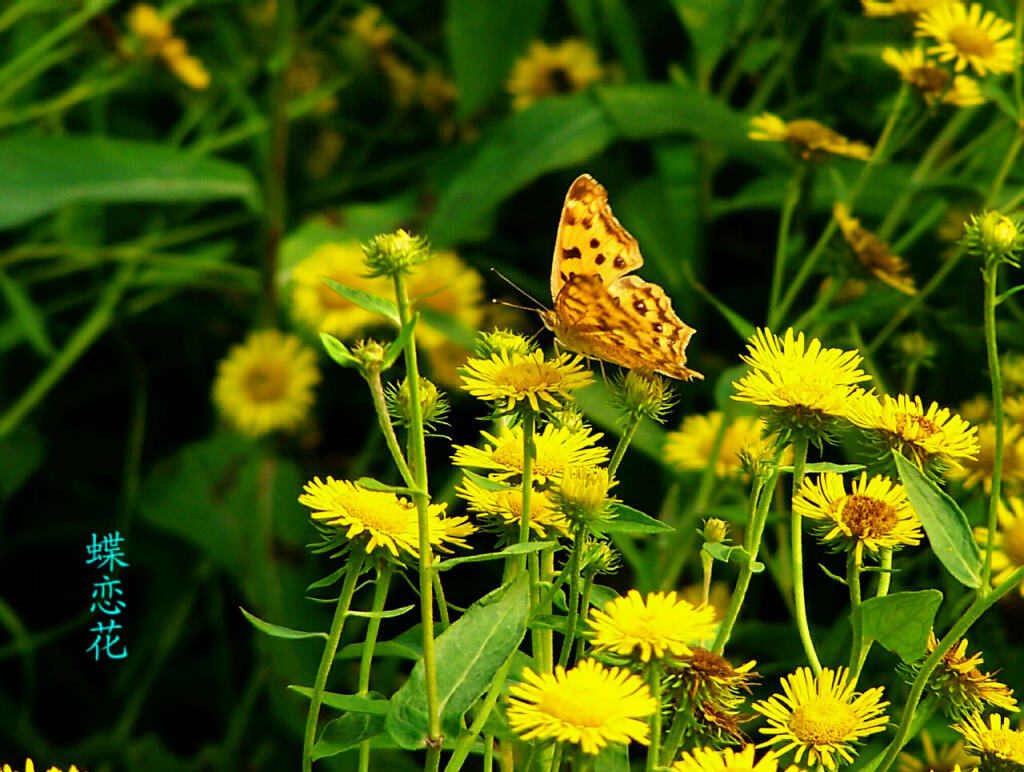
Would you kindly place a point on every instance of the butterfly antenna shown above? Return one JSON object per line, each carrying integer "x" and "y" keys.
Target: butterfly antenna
{"x": 515, "y": 286}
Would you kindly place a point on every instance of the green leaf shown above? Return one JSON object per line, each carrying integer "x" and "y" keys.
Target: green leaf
{"x": 328, "y": 580}
{"x": 512, "y": 549}
{"x": 946, "y": 525}
{"x": 614, "y": 758}
{"x": 371, "y": 303}
{"x": 40, "y": 174}
{"x": 345, "y": 733}
{"x": 901, "y": 621}
{"x": 337, "y": 350}
{"x": 21, "y": 453}
{"x": 818, "y": 467}
{"x": 277, "y": 631}
{"x": 473, "y": 649}
{"x": 711, "y": 24}
{"x": 375, "y": 485}
{"x": 485, "y": 482}
{"x": 371, "y": 704}
{"x": 629, "y": 520}
{"x": 397, "y": 346}
{"x": 28, "y": 316}
{"x": 397, "y": 612}
{"x": 736, "y": 554}
{"x": 555, "y": 133}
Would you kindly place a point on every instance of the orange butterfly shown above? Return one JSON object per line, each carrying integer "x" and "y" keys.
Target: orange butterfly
{"x": 599, "y": 311}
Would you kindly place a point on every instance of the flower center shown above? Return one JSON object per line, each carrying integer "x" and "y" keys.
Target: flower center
{"x": 509, "y": 455}
{"x": 822, "y": 721}
{"x": 1013, "y": 542}
{"x": 971, "y": 41}
{"x": 377, "y": 514}
{"x": 915, "y": 427}
{"x": 528, "y": 376}
{"x": 577, "y": 707}
{"x": 265, "y": 381}
{"x": 868, "y": 516}
{"x": 931, "y": 80}
{"x": 560, "y": 80}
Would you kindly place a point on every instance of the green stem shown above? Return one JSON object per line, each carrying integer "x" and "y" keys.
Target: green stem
{"x": 588, "y": 585}
{"x": 957, "y": 631}
{"x": 624, "y": 440}
{"x": 386, "y": 427}
{"x": 884, "y": 580}
{"x": 442, "y": 604}
{"x": 991, "y": 274}
{"x": 573, "y": 567}
{"x": 529, "y": 451}
{"x": 793, "y": 189}
{"x": 797, "y": 554}
{"x": 467, "y": 738}
{"x": 380, "y": 595}
{"x": 856, "y": 625}
{"x": 653, "y": 673}
{"x": 355, "y": 567}
{"x": 674, "y": 738}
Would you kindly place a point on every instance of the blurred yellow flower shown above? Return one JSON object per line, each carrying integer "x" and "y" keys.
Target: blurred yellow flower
{"x": 30, "y": 767}
{"x": 873, "y": 253}
{"x": 969, "y": 36}
{"x": 897, "y": 7}
{"x": 1008, "y": 551}
{"x": 156, "y": 31}
{"x": 931, "y": 80}
{"x": 727, "y": 760}
{"x": 690, "y": 448}
{"x": 945, "y": 758}
{"x": 998, "y": 746}
{"x": 545, "y": 70}
{"x": 808, "y": 139}
{"x": 444, "y": 283}
{"x": 979, "y": 470}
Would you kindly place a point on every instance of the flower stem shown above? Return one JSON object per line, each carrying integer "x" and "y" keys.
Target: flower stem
{"x": 793, "y": 189}
{"x": 380, "y": 595}
{"x": 386, "y": 427}
{"x": 653, "y": 673}
{"x": 588, "y": 585}
{"x": 573, "y": 567}
{"x": 797, "y": 554}
{"x": 624, "y": 440}
{"x": 884, "y": 580}
{"x": 991, "y": 274}
{"x": 355, "y": 567}
{"x": 529, "y": 450}
{"x": 856, "y": 628}
{"x": 466, "y": 739}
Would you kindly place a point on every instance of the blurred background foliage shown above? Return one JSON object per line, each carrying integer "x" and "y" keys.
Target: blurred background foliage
{"x": 164, "y": 172}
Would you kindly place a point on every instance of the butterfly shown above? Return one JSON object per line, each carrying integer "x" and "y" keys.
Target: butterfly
{"x": 599, "y": 311}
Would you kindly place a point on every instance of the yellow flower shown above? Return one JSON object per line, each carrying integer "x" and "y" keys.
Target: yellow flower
{"x": 690, "y": 448}
{"x": 506, "y": 507}
{"x": 873, "y": 253}
{"x": 30, "y": 767}
{"x": 969, "y": 36}
{"x": 727, "y": 760}
{"x": 803, "y": 384}
{"x": 380, "y": 519}
{"x": 1013, "y": 408}
{"x": 875, "y": 515}
{"x": 556, "y": 448}
{"x": 512, "y": 380}
{"x": 367, "y": 27}
{"x": 962, "y": 687}
{"x": 821, "y": 716}
{"x": 660, "y": 624}
{"x": 590, "y": 706}
{"x": 145, "y": 21}
{"x": 995, "y": 742}
{"x": 1011, "y": 367}
{"x": 928, "y": 437}
{"x": 976, "y": 409}
{"x": 545, "y": 70}
{"x": 946, "y": 758}
{"x": 980, "y": 469}
{"x": 188, "y": 69}
{"x": 896, "y": 7}
{"x": 446, "y": 284}
{"x": 808, "y": 139}
{"x": 1008, "y": 551}
{"x": 719, "y": 598}
{"x": 319, "y": 307}
{"x": 266, "y": 383}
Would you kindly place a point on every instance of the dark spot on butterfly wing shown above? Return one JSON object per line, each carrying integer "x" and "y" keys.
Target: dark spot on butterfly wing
{"x": 594, "y": 243}
{"x": 657, "y": 327}
{"x": 640, "y": 306}
{"x": 570, "y": 218}
{"x": 619, "y": 262}
{"x": 572, "y": 254}
{"x": 599, "y": 259}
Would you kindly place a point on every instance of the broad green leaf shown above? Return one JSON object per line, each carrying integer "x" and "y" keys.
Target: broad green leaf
{"x": 629, "y": 520}
{"x": 485, "y": 39}
{"x": 371, "y": 303}
{"x": 901, "y": 621}
{"x": 512, "y": 549}
{"x": 28, "y": 316}
{"x": 736, "y": 554}
{"x": 711, "y": 25}
{"x": 946, "y": 525}
{"x": 472, "y": 650}
{"x": 621, "y": 29}
{"x": 371, "y": 704}
{"x": 40, "y": 174}
{"x": 346, "y": 732}
{"x": 407, "y": 645}
{"x": 614, "y": 758}
{"x": 278, "y": 631}
{"x": 337, "y": 350}
{"x": 555, "y": 133}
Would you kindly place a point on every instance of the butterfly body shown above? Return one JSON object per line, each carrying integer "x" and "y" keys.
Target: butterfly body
{"x": 599, "y": 310}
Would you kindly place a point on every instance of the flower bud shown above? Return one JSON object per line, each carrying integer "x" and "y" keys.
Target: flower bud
{"x": 642, "y": 394}
{"x": 392, "y": 254}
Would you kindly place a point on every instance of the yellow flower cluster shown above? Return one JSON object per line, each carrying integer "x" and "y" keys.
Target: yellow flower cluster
{"x": 547, "y": 70}
{"x": 30, "y": 767}
{"x": 147, "y": 23}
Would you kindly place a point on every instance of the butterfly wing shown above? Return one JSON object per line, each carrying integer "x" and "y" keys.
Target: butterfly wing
{"x": 590, "y": 240}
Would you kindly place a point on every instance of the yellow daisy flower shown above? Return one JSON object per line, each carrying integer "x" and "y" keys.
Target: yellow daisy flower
{"x": 821, "y": 716}
{"x": 897, "y": 7}
{"x": 807, "y": 139}
{"x": 802, "y": 383}
{"x": 962, "y": 687}
{"x": 511, "y": 380}
{"x": 976, "y": 409}
{"x": 995, "y": 742}
{"x": 506, "y": 507}
{"x": 545, "y": 70}
{"x": 873, "y": 253}
{"x": 932, "y": 81}
{"x": 266, "y": 383}
{"x": 979, "y": 470}
{"x": 146, "y": 22}
{"x": 380, "y": 519}
{"x": 556, "y": 448}
{"x": 30, "y": 767}
{"x": 1013, "y": 409}
{"x": 367, "y": 26}
{"x": 446, "y": 284}
{"x": 590, "y": 706}
{"x": 969, "y": 36}
{"x": 945, "y": 758}
{"x": 934, "y": 436}
{"x": 1008, "y": 551}
{"x": 727, "y": 760}
{"x": 660, "y": 624}
{"x": 875, "y": 515}
{"x": 317, "y": 306}
{"x": 689, "y": 448}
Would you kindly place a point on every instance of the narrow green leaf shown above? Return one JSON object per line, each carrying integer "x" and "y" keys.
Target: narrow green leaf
{"x": 735, "y": 554}
{"x": 629, "y": 520}
{"x": 29, "y": 319}
{"x": 277, "y": 631}
{"x": 473, "y": 649}
{"x": 345, "y": 733}
{"x": 371, "y": 704}
{"x": 819, "y": 467}
{"x": 375, "y": 485}
{"x": 397, "y": 346}
{"x": 397, "y": 612}
{"x": 512, "y": 549}
{"x": 485, "y": 482}
{"x": 337, "y": 350}
{"x": 365, "y": 300}
{"x": 946, "y": 525}
{"x": 328, "y": 580}
{"x": 901, "y": 621}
